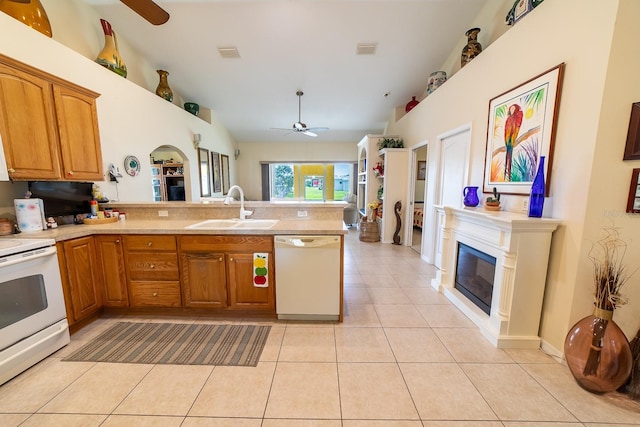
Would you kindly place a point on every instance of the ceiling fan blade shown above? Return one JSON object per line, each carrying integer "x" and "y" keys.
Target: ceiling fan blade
{"x": 309, "y": 133}
{"x": 148, "y": 10}
{"x": 318, "y": 129}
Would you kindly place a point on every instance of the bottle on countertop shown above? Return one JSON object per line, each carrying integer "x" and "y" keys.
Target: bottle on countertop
{"x": 94, "y": 207}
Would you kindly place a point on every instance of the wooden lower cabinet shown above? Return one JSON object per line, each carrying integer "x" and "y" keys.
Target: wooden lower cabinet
{"x": 242, "y": 292}
{"x": 217, "y": 272}
{"x": 204, "y": 277}
{"x": 81, "y": 277}
{"x": 153, "y": 277}
{"x": 111, "y": 257}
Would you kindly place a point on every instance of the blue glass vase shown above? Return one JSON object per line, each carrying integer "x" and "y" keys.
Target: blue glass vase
{"x": 536, "y": 199}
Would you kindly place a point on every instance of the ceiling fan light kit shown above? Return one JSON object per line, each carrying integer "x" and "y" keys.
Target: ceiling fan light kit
{"x": 299, "y": 127}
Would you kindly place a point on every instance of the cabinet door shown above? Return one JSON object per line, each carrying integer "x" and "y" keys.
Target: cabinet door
{"x": 204, "y": 279}
{"x": 111, "y": 259}
{"x": 242, "y": 292}
{"x": 84, "y": 278}
{"x": 77, "y": 120}
{"x": 27, "y": 125}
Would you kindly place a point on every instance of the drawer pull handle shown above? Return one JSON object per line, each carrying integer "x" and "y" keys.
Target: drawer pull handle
{"x": 231, "y": 259}
{"x": 117, "y": 240}
{"x": 152, "y": 266}
{"x": 220, "y": 259}
{"x": 155, "y": 294}
{"x": 149, "y": 244}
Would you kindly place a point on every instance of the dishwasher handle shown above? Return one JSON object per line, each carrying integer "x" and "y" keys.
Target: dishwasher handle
{"x": 302, "y": 242}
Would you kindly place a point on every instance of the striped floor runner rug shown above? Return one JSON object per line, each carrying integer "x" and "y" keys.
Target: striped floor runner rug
{"x": 176, "y": 344}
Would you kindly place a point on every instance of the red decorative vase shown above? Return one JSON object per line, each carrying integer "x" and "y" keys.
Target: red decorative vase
{"x": 598, "y": 353}
{"x": 411, "y": 104}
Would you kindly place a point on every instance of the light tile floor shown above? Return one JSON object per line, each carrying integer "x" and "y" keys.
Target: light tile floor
{"x": 404, "y": 356}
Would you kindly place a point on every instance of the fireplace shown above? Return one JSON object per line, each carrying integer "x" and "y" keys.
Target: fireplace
{"x": 500, "y": 279}
{"x": 475, "y": 272}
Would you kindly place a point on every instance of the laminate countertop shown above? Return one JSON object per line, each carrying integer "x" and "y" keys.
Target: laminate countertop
{"x": 178, "y": 226}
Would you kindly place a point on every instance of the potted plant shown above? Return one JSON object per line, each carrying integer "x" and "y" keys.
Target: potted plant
{"x": 596, "y": 349}
{"x": 493, "y": 203}
{"x": 390, "y": 143}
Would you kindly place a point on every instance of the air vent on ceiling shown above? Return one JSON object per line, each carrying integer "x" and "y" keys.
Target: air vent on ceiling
{"x": 366, "y": 48}
{"x": 228, "y": 52}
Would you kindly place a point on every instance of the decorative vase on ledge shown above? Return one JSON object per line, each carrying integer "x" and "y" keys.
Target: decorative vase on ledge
{"x": 163, "y": 90}
{"x": 192, "y": 107}
{"x": 109, "y": 57}
{"x": 411, "y": 104}
{"x": 473, "y": 47}
{"x": 30, "y": 13}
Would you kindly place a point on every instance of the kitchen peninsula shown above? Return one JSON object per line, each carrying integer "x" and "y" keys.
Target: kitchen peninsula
{"x": 153, "y": 263}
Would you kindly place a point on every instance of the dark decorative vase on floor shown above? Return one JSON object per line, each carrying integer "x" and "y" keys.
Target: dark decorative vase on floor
{"x": 598, "y": 353}
{"x": 163, "y": 90}
{"x": 473, "y": 47}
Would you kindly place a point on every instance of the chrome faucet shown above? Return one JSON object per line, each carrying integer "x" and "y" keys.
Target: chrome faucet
{"x": 227, "y": 200}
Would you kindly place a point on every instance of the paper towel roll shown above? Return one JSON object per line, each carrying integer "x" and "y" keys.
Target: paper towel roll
{"x": 30, "y": 215}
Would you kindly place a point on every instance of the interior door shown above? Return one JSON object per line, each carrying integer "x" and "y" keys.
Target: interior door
{"x": 454, "y": 166}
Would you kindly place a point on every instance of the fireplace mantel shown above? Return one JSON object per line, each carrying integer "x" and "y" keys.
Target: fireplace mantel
{"x": 521, "y": 247}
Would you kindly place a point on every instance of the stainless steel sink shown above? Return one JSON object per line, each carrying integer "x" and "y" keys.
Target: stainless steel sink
{"x": 225, "y": 224}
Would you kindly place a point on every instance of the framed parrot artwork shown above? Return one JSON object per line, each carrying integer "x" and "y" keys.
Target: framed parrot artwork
{"x": 521, "y": 129}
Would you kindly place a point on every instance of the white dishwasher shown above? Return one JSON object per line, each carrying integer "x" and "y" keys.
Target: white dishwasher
{"x": 308, "y": 277}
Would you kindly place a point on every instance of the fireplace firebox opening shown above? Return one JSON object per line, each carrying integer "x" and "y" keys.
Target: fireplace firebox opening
{"x": 475, "y": 272}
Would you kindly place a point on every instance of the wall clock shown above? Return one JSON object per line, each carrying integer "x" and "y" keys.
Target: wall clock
{"x": 132, "y": 165}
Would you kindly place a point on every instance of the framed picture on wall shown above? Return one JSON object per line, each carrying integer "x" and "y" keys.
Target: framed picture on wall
{"x": 632, "y": 148}
{"x": 633, "y": 203}
{"x": 521, "y": 129}
{"x": 204, "y": 170}
{"x": 225, "y": 173}
{"x": 215, "y": 165}
{"x": 422, "y": 170}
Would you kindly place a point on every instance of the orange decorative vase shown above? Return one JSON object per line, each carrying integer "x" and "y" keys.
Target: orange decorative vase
{"x": 598, "y": 353}
{"x": 109, "y": 57}
{"x": 29, "y": 12}
{"x": 163, "y": 90}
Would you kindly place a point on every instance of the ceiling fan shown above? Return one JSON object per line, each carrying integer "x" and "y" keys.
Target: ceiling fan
{"x": 149, "y": 10}
{"x": 299, "y": 127}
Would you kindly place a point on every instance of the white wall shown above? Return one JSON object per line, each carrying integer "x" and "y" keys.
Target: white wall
{"x": 133, "y": 120}
{"x": 251, "y": 154}
{"x": 543, "y": 39}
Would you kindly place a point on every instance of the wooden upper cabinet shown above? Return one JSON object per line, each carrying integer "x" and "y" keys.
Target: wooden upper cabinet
{"x": 49, "y": 126}
{"x": 27, "y": 125}
{"x": 77, "y": 118}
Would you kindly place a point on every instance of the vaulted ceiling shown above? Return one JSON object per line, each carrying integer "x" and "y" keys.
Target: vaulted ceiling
{"x": 290, "y": 45}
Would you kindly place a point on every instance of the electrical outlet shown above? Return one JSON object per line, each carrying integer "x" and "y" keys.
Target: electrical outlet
{"x": 302, "y": 214}
{"x": 163, "y": 213}
{"x": 525, "y": 204}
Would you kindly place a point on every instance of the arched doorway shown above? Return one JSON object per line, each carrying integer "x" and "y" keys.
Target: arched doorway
{"x": 169, "y": 174}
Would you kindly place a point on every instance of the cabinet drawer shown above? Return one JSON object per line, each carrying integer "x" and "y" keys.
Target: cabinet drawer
{"x": 154, "y": 294}
{"x": 226, "y": 243}
{"x": 152, "y": 266}
{"x": 146, "y": 243}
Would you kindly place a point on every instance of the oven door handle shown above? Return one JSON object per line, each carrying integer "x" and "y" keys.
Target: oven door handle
{"x": 28, "y": 256}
